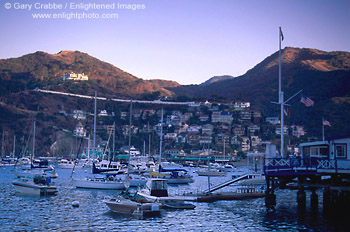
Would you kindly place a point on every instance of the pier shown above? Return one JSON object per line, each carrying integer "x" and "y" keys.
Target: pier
{"x": 323, "y": 165}
{"x": 243, "y": 192}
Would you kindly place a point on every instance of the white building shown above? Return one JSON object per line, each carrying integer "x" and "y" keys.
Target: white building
{"x": 79, "y": 114}
{"x": 241, "y": 105}
{"x": 273, "y": 120}
{"x": 79, "y": 130}
{"x": 103, "y": 113}
{"x": 75, "y": 77}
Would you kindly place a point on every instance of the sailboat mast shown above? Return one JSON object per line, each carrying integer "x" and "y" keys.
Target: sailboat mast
{"x": 161, "y": 139}
{"x": 33, "y": 154}
{"x": 113, "y": 140}
{"x": 88, "y": 147}
{"x": 14, "y": 146}
{"x": 144, "y": 147}
{"x": 130, "y": 123}
{"x": 149, "y": 144}
{"x": 280, "y": 92}
{"x": 2, "y": 144}
{"x": 94, "y": 138}
{"x": 224, "y": 148}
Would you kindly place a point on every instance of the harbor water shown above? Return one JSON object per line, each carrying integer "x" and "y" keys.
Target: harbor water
{"x": 55, "y": 213}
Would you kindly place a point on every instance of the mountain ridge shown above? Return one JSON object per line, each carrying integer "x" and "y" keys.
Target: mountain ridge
{"x": 41, "y": 66}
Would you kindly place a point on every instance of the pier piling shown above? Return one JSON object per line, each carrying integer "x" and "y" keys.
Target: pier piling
{"x": 301, "y": 198}
{"x": 314, "y": 200}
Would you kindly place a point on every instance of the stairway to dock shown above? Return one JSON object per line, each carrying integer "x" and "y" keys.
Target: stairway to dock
{"x": 222, "y": 185}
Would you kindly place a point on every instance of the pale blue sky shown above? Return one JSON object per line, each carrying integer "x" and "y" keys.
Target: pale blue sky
{"x": 187, "y": 41}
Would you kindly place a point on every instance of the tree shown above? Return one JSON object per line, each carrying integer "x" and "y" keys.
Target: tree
{"x": 241, "y": 154}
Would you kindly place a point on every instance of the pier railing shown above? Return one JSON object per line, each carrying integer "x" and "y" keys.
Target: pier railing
{"x": 296, "y": 166}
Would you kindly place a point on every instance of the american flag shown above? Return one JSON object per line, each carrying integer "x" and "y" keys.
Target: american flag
{"x": 306, "y": 101}
{"x": 326, "y": 123}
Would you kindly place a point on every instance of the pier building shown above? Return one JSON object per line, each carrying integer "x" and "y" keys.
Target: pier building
{"x": 321, "y": 165}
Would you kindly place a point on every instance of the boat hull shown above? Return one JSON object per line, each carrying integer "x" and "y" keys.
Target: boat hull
{"x": 180, "y": 180}
{"x": 34, "y": 189}
{"x": 199, "y": 173}
{"x": 92, "y": 184}
{"x": 129, "y": 207}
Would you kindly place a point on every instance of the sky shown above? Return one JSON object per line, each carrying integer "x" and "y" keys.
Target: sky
{"x": 187, "y": 41}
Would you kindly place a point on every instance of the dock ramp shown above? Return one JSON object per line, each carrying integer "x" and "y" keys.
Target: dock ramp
{"x": 222, "y": 185}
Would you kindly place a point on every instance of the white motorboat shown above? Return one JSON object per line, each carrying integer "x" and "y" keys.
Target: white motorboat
{"x": 47, "y": 172}
{"x": 156, "y": 190}
{"x": 38, "y": 185}
{"x": 126, "y": 206}
{"x": 65, "y": 164}
{"x": 211, "y": 172}
{"x": 229, "y": 168}
{"x": 99, "y": 182}
{"x": 173, "y": 177}
{"x": 25, "y": 161}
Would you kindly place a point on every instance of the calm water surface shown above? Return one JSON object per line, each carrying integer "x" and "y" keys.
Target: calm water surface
{"x": 55, "y": 213}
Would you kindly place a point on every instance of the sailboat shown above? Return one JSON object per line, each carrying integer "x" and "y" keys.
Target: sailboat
{"x": 35, "y": 181}
{"x": 98, "y": 181}
{"x": 172, "y": 175}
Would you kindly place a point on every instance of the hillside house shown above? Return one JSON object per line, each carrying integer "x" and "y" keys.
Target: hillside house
{"x": 221, "y": 117}
{"x": 182, "y": 138}
{"x": 205, "y": 139}
{"x": 273, "y": 120}
{"x": 245, "y": 145}
{"x": 75, "y": 77}
{"x": 203, "y": 117}
{"x": 136, "y": 113}
{"x": 103, "y": 113}
{"x": 222, "y": 138}
{"x": 235, "y": 141}
{"x": 254, "y": 141}
{"x": 256, "y": 117}
{"x": 194, "y": 129}
{"x": 193, "y": 139}
{"x": 297, "y": 131}
{"x": 146, "y": 129}
{"x": 240, "y": 105}
{"x": 124, "y": 115}
{"x": 223, "y": 129}
{"x": 238, "y": 130}
{"x": 173, "y": 119}
{"x": 147, "y": 113}
{"x": 109, "y": 129}
{"x": 181, "y": 128}
{"x": 126, "y": 129}
{"x": 252, "y": 129}
{"x": 207, "y": 129}
{"x": 170, "y": 136}
{"x": 79, "y": 114}
{"x": 278, "y": 129}
{"x": 79, "y": 130}
{"x": 245, "y": 116}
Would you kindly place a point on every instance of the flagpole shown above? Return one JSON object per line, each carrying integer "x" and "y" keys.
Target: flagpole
{"x": 322, "y": 129}
{"x": 280, "y": 93}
